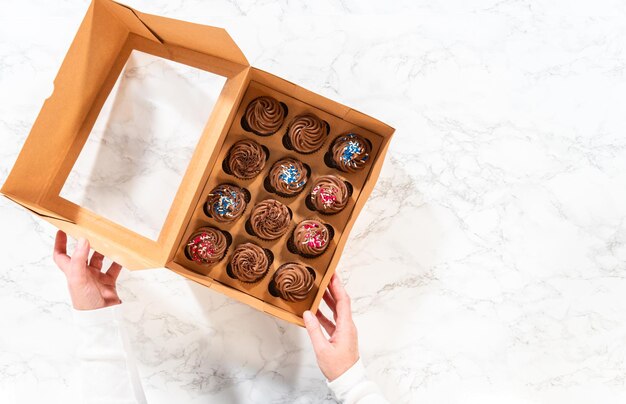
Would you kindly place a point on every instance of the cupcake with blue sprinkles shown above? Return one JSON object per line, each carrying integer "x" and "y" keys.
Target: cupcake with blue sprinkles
{"x": 349, "y": 153}
{"x": 226, "y": 203}
{"x": 287, "y": 177}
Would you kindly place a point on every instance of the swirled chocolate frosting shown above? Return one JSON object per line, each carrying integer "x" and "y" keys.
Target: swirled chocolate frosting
{"x": 311, "y": 237}
{"x": 293, "y": 281}
{"x": 226, "y": 203}
{"x": 307, "y": 133}
{"x": 246, "y": 159}
{"x": 288, "y": 176}
{"x": 264, "y": 115}
{"x": 249, "y": 263}
{"x": 329, "y": 194}
{"x": 270, "y": 219}
{"x": 350, "y": 152}
{"x": 206, "y": 246}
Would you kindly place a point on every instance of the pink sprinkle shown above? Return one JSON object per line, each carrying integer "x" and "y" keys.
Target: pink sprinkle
{"x": 327, "y": 194}
{"x": 202, "y": 247}
{"x": 314, "y": 237}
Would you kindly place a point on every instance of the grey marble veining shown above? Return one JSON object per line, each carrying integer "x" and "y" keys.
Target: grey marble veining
{"x": 488, "y": 264}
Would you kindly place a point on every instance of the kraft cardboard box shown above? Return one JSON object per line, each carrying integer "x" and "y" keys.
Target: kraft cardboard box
{"x": 108, "y": 34}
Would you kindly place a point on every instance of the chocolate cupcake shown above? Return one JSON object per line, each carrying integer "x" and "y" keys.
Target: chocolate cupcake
{"x": 245, "y": 159}
{"x": 287, "y": 177}
{"x": 329, "y": 195}
{"x": 306, "y": 133}
{"x": 226, "y": 203}
{"x": 350, "y": 153}
{"x": 293, "y": 281}
{"x": 206, "y": 246}
{"x": 249, "y": 263}
{"x": 310, "y": 238}
{"x": 269, "y": 220}
{"x": 264, "y": 116}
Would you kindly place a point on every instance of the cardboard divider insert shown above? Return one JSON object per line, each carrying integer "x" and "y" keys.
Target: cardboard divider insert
{"x": 274, "y": 143}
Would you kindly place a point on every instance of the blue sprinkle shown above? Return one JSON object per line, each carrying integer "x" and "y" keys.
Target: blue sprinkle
{"x": 352, "y": 149}
{"x": 226, "y": 203}
{"x": 290, "y": 174}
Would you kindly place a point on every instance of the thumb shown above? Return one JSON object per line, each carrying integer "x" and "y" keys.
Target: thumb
{"x": 79, "y": 259}
{"x": 312, "y": 325}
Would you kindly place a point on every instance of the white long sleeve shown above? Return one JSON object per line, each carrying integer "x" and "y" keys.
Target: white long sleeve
{"x": 107, "y": 372}
{"x": 353, "y": 387}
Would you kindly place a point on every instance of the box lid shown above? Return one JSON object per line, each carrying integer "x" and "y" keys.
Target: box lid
{"x": 107, "y": 35}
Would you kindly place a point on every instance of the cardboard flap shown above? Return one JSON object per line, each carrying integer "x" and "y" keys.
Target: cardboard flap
{"x": 129, "y": 17}
{"x": 38, "y": 210}
{"x": 201, "y": 38}
{"x": 120, "y": 249}
{"x": 115, "y": 250}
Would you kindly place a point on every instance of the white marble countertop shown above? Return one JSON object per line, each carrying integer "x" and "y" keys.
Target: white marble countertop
{"x": 487, "y": 267}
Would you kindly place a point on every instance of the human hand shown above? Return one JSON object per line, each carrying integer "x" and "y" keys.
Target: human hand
{"x": 89, "y": 288}
{"x": 340, "y": 351}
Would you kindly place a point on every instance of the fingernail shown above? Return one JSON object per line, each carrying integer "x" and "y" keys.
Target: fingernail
{"x": 82, "y": 242}
{"x": 308, "y": 316}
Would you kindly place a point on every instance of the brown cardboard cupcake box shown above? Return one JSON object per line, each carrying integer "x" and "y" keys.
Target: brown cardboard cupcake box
{"x": 105, "y": 39}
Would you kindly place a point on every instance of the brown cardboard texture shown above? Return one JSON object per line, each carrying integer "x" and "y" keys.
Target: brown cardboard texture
{"x": 105, "y": 39}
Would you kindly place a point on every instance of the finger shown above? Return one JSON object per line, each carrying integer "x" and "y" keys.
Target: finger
{"x": 96, "y": 260}
{"x": 326, "y": 323}
{"x": 342, "y": 300}
{"x": 315, "y": 332}
{"x": 330, "y": 302}
{"x": 78, "y": 263}
{"x": 114, "y": 270}
{"x": 59, "y": 255}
